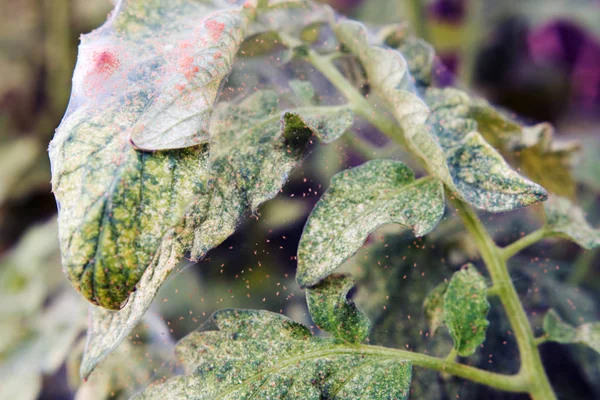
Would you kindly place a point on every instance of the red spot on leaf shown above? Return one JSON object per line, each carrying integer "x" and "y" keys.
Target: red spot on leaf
{"x": 105, "y": 62}
{"x": 215, "y": 28}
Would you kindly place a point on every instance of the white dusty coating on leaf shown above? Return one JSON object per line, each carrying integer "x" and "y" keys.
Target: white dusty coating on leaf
{"x": 154, "y": 71}
{"x": 567, "y": 220}
{"x": 465, "y": 310}
{"x": 263, "y": 355}
{"x": 437, "y": 128}
{"x": 559, "y": 331}
{"x": 255, "y": 146}
{"x": 358, "y": 201}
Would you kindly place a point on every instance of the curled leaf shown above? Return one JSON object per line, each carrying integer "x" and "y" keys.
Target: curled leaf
{"x": 434, "y": 307}
{"x": 263, "y": 355}
{"x": 465, "y": 310}
{"x": 255, "y": 146}
{"x": 478, "y": 171}
{"x": 559, "y": 331}
{"x": 149, "y": 76}
{"x": 567, "y": 220}
{"x": 358, "y": 201}
{"x": 533, "y": 149}
{"x": 333, "y": 311}
{"x": 438, "y": 131}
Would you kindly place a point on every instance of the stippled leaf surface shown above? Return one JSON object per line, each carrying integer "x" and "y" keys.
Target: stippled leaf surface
{"x": 147, "y": 78}
{"x": 568, "y": 220}
{"x": 434, "y": 307}
{"x": 333, "y": 311}
{"x": 358, "y": 201}
{"x": 559, "y": 331}
{"x": 259, "y": 354}
{"x": 437, "y": 130}
{"x": 465, "y": 310}
{"x": 533, "y": 149}
{"x": 254, "y": 147}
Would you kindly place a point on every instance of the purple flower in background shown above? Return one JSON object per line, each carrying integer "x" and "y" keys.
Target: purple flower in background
{"x": 451, "y": 11}
{"x": 567, "y": 46}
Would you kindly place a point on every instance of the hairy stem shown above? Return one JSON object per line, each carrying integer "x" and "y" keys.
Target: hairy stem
{"x": 526, "y": 241}
{"x": 531, "y": 364}
{"x": 532, "y": 371}
{"x": 509, "y": 383}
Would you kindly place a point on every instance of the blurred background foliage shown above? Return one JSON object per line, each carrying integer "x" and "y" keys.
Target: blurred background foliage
{"x": 537, "y": 59}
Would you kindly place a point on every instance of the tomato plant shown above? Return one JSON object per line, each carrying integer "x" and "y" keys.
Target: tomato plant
{"x": 186, "y": 116}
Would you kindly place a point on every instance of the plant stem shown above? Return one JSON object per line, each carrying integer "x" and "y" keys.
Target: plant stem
{"x": 531, "y": 364}
{"x": 532, "y": 377}
{"x": 509, "y": 383}
{"x": 526, "y": 241}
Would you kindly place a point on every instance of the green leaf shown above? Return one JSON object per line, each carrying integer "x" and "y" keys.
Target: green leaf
{"x": 333, "y": 311}
{"x": 358, "y": 201}
{"x": 254, "y": 147}
{"x": 567, "y": 220}
{"x": 532, "y": 149}
{"x": 434, "y": 307}
{"x": 263, "y": 355}
{"x": 559, "y": 331}
{"x": 465, "y": 310}
{"x": 443, "y": 137}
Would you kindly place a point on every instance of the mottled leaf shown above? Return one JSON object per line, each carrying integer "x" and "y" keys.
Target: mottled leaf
{"x": 254, "y": 147}
{"x": 357, "y": 202}
{"x": 478, "y": 171}
{"x": 445, "y": 140}
{"x": 259, "y": 354}
{"x": 434, "y": 307}
{"x": 533, "y": 149}
{"x": 465, "y": 310}
{"x": 149, "y": 75}
{"x": 332, "y": 309}
{"x": 567, "y": 220}
{"x": 559, "y": 331}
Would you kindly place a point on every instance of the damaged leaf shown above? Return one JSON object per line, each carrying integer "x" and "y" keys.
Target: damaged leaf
{"x": 259, "y": 354}
{"x": 437, "y": 130}
{"x": 465, "y": 310}
{"x": 334, "y": 312}
{"x": 254, "y": 147}
{"x": 559, "y": 331}
{"x": 567, "y": 220}
{"x": 358, "y": 201}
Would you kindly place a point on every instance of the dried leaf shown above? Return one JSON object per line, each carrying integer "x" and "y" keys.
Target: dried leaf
{"x": 532, "y": 149}
{"x": 264, "y": 355}
{"x": 434, "y": 307}
{"x": 358, "y": 201}
{"x": 334, "y": 312}
{"x": 445, "y": 140}
{"x": 567, "y": 220}
{"x": 559, "y": 331}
